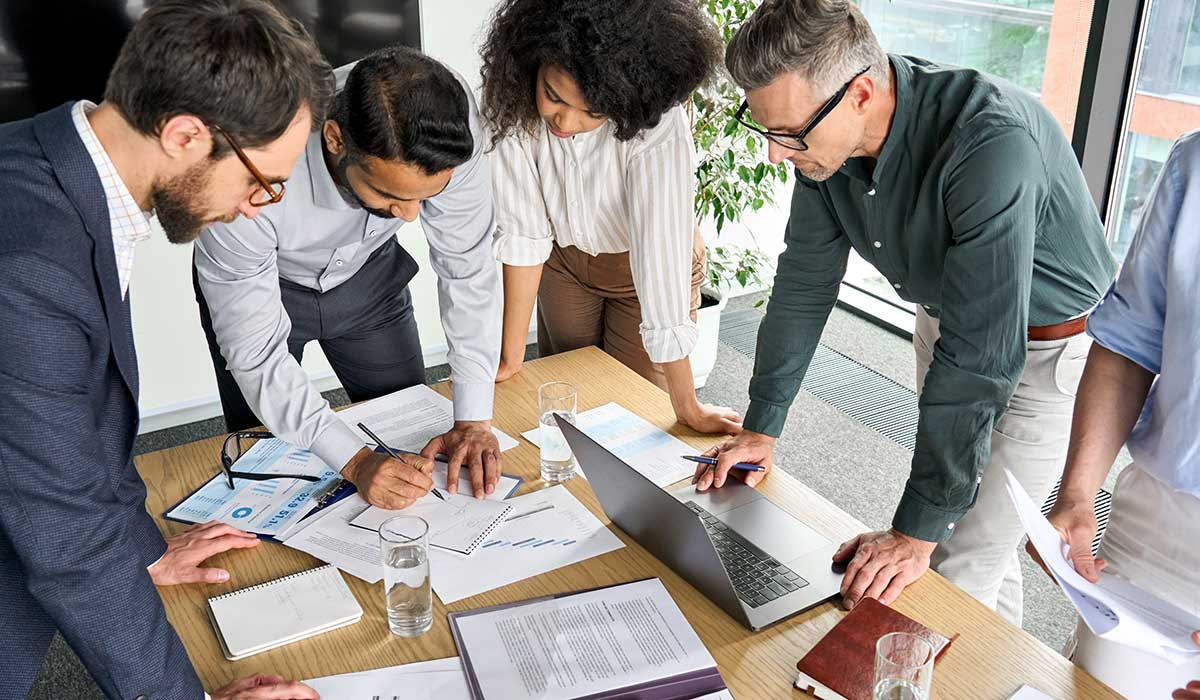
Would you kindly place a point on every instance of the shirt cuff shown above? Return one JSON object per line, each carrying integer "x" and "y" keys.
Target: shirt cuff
{"x": 669, "y": 344}
{"x": 473, "y": 401}
{"x": 922, "y": 520}
{"x": 765, "y": 418}
{"x": 520, "y": 251}
{"x": 337, "y": 444}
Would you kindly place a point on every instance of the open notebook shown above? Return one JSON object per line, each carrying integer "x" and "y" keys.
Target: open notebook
{"x": 282, "y": 611}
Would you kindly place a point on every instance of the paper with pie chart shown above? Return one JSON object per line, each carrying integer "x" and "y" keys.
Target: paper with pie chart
{"x": 458, "y": 524}
{"x": 263, "y": 507}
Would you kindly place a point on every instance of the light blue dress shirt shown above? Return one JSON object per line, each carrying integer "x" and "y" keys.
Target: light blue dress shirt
{"x": 1151, "y": 315}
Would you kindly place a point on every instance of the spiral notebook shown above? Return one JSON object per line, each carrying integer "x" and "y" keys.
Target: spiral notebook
{"x": 253, "y": 620}
{"x": 458, "y": 524}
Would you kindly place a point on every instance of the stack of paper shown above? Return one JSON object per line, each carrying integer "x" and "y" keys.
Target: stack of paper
{"x": 1114, "y": 608}
{"x": 408, "y": 419}
{"x": 655, "y": 454}
{"x": 329, "y": 536}
{"x": 547, "y": 530}
{"x": 442, "y": 679}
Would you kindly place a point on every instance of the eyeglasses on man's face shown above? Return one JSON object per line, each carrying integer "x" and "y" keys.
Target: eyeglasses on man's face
{"x": 268, "y": 192}
{"x": 796, "y": 141}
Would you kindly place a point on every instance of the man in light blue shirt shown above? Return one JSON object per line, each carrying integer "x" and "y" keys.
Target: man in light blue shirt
{"x": 1142, "y": 384}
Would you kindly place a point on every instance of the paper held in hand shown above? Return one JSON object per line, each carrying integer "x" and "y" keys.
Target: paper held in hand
{"x": 1114, "y": 608}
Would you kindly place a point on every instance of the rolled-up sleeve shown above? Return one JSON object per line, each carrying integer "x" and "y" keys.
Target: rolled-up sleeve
{"x": 458, "y": 225}
{"x": 1131, "y": 317}
{"x": 661, "y": 186}
{"x": 523, "y": 235}
{"x": 237, "y": 270}
{"x": 992, "y": 199}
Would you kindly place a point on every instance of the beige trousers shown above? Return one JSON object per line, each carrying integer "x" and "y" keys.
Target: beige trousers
{"x": 1151, "y": 542}
{"x": 1030, "y": 439}
{"x": 590, "y": 300}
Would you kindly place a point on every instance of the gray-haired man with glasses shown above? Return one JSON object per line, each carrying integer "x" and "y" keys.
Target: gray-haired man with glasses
{"x": 964, "y": 193}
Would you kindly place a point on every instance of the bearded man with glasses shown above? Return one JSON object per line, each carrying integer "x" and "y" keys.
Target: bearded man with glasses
{"x": 964, "y": 193}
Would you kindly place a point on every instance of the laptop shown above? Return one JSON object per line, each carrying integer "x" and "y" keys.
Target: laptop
{"x": 753, "y": 559}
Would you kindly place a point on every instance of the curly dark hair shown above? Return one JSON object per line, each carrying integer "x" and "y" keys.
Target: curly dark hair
{"x": 632, "y": 59}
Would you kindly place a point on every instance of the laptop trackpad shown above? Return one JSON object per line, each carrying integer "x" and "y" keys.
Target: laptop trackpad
{"x": 773, "y": 530}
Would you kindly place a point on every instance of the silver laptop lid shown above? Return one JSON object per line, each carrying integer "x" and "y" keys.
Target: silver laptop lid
{"x": 664, "y": 526}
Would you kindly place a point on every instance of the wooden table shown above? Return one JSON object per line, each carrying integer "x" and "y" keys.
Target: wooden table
{"x": 989, "y": 661}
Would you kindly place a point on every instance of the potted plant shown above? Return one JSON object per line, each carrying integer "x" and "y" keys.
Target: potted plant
{"x": 732, "y": 178}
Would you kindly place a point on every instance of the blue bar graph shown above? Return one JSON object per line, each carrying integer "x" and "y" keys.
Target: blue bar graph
{"x": 528, "y": 543}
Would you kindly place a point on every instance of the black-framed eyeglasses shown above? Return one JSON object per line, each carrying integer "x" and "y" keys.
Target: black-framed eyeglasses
{"x": 795, "y": 141}
{"x": 231, "y": 452}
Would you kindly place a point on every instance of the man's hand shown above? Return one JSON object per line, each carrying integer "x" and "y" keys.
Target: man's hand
{"x": 185, "y": 552}
{"x": 389, "y": 483}
{"x": 1074, "y": 516}
{"x": 471, "y": 444}
{"x": 747, "y": 446}
{"x": 881, "y": 565}
{"x": 707, "y": 418}
{"x": 265, "y": 688}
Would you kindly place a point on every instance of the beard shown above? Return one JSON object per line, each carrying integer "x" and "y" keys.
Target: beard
{"x": 343, "y": 185}
{"x": 178, "y": 204}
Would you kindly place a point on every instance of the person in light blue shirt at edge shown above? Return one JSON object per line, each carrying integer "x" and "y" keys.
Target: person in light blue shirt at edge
{"x": 1142, "y": 384}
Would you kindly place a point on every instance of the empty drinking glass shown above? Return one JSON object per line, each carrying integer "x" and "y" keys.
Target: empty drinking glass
{"x": 404, "y": 544}
{"x": 556, "y": 398}
{"x": 903, "y": 667}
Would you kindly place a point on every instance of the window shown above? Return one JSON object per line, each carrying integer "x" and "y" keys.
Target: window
{"x": 1166, "y": 104}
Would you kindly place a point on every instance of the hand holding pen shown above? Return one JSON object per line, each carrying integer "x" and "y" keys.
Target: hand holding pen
{"x": 389, "y": 480}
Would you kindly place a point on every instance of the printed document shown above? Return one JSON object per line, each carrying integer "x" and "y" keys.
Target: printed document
{"x": 442, "y": 679}
{"x": 546, "y": 530}
{"x": 329, "y": 536}
{"x": 1114, "y": 608}
{"x": 654, "y": 453}
{"x": 408, "y": 419}
{"x": 582, "y": 644}
{"x": 262, "y": 507}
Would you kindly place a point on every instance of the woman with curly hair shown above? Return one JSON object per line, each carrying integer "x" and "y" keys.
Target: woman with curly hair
{"x": 593, "y": 168}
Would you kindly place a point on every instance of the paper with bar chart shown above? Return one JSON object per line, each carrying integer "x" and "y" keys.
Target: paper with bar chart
{"x": 262, "y": 507}
{"x": 654, "y": 453}
{"x": 546, "y": 530}
{"x": 442, "y": 679}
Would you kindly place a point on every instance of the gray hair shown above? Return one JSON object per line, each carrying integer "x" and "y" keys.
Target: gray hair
{"x": 826, "y": 42}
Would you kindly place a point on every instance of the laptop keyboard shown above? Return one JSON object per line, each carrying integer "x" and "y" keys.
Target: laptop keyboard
{"x": 757, "y": 577}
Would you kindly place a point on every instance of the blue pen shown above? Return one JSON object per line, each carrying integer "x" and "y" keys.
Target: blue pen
{"x": 744, "y": 466}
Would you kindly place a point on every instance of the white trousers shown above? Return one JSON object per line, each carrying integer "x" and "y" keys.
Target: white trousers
{"x": 1152, "y": 541}
{"x": 1030, "y": 439}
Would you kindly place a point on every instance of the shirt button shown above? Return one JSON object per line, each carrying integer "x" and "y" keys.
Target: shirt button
{"x": 337, "y": 262}
{"x": 878, "y": 244}
{"x": 896, "y": 286}
{"x": 372, "y": 233}
{"x": 950, "y": 526}
{"x": 871, "y": 192}
{"x": 979, "y": 479}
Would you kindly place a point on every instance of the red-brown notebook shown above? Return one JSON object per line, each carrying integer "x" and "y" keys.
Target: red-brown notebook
{"x": 842, "y": 665}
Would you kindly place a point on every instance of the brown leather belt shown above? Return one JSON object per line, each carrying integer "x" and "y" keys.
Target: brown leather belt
{"x": 1059, "y": 331}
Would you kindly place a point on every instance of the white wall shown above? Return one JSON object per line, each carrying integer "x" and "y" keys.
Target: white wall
{"x": 176, "y": 374}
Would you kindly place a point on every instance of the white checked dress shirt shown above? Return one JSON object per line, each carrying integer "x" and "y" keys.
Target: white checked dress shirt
{"x": 602, "y": 195}
{"x": 128, "y": 222}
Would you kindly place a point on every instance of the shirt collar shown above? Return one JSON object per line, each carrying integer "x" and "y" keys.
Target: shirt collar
{"x": 326, "y": 193}
{"x": 893, "y": 144}
{"x": 126, "y": 219}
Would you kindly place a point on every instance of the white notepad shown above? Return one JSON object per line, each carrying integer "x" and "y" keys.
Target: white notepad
{"x": 458, "y": 524}
{"x": 282, "y": 611}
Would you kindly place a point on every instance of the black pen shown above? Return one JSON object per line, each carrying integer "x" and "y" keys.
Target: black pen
{"x": 391, "y": 452}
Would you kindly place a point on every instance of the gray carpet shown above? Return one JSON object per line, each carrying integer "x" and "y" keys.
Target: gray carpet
{"x": 850, "y": 464}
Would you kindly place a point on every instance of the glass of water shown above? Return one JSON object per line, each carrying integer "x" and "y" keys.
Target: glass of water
{"x": 903, "y": 667}
{"x": 556, "y": 399}
{"x": 404, "y": 544}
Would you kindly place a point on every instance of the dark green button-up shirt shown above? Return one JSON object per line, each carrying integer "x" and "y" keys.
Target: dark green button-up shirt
{"x": 976, "y": 209}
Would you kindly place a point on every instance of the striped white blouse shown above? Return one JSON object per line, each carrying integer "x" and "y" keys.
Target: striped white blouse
{"x": 602, "y": 195}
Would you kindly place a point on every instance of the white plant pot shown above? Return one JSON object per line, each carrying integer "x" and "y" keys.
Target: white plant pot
{"x": 704, "y": 357}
